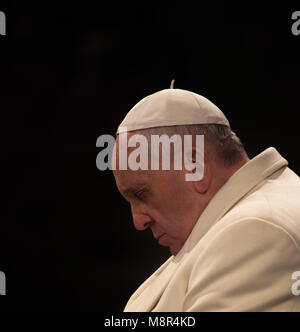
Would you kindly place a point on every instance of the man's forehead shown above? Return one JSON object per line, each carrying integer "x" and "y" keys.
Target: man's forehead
{"x": 129, "y": 177}
{"x": 131, "y": 134}
{"x": 122, "y": 143}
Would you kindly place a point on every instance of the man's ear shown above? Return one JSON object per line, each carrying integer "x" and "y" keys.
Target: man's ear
{"x": 198, "y": 170}
{"x": 203, "y": 185}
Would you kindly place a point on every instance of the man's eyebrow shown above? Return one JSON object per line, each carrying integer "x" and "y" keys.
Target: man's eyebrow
{"x": 133, "y": 190}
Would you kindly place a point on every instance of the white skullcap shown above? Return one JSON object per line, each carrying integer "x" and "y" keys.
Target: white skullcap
{"x": 171, "y": 107}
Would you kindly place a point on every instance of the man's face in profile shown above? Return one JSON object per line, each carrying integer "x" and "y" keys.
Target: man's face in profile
{"x": 161, "y": 200}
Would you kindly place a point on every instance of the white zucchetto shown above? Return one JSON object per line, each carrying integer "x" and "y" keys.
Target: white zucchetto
{"x": 171, "y": 107}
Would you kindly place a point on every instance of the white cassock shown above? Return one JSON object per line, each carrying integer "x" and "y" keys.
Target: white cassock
{"x": 242, "y": 252}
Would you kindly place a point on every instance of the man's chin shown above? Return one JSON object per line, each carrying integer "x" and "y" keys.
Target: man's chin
{"x": 174, "y": 250}
{"x": 164, "y": 241}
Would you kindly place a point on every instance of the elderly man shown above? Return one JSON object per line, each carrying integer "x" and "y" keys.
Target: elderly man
{"x": 234, "y": 233}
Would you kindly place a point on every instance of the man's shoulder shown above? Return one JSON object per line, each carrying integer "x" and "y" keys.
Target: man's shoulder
{"x": 252, "y": 230}
{"x": 275, "y": 203}
{"x": 249, "y": 245}
{"x": 252, "y": 258}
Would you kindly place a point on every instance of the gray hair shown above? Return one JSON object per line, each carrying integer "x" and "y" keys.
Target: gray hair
{"x": 227, "y": 147}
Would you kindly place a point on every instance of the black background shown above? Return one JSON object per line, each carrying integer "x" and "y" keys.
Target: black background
{"x": 70, "y": 71}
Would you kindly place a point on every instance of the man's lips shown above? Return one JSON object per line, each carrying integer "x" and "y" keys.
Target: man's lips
{"x": 157, "y": 237}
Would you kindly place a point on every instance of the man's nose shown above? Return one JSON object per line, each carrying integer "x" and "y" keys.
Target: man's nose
{"x": 141, "y": 220}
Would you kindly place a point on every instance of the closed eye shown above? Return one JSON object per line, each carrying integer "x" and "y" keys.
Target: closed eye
{"x": 140, "y": 193}
{"x": 134, "y": 193}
